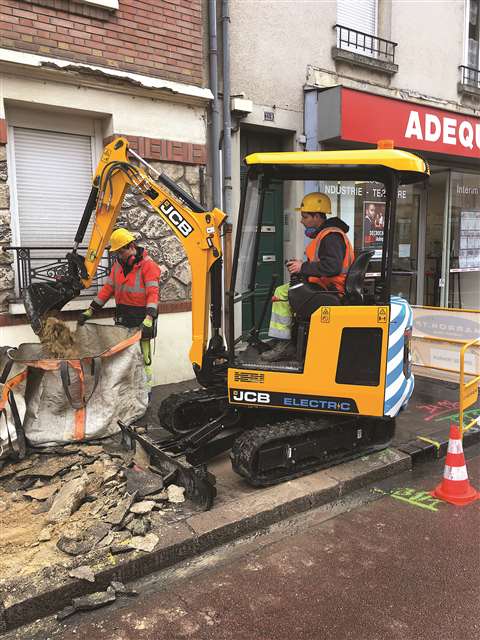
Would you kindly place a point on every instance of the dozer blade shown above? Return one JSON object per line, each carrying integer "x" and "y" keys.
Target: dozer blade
{"x": 199, "y": 483}
{"x": 40, "y": 298}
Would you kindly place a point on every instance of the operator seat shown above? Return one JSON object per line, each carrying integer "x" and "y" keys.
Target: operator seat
{"x": 305, "y": 297}
{"x": 355, "y": 278}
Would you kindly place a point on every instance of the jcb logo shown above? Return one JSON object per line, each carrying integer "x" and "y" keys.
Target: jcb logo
{"x": 253, "y": 397}
{"x": 176, "y": 218}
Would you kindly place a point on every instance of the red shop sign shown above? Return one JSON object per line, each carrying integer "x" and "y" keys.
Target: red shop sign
{"x": 369, "y": 118}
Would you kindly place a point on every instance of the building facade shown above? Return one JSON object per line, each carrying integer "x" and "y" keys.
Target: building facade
{"x": 345, "y": 74}
{"x": 74, "y": 74}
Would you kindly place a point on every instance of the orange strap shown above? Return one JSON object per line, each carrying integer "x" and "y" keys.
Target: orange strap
{"x": 8, "y": 386}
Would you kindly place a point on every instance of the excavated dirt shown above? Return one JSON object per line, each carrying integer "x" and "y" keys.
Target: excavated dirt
{"x": 58, "y": 339}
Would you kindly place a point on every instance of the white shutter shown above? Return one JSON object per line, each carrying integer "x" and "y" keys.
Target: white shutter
{"x": 53, "y": 182}
{"x": 360, "y": 15}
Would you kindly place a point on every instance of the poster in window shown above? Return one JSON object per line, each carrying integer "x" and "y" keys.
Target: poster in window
{"x": 373, "y": 224}
{"x": 469, "y": 241}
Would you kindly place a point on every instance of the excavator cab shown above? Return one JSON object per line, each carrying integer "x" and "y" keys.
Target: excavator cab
{"x": 342, "y": 341}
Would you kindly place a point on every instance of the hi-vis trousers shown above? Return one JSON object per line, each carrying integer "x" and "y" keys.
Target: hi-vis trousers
{"x": 281, "y": 320}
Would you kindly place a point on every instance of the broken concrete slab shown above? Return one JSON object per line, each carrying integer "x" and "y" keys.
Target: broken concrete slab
{"x": 94, "y": 600}
{"x": 91, "y": 449}
{"x": 82, "y": 573}
{"x": 82, "y": 545}
{"x": 68, "y": 499}
{"x": 139, "y": 526}
{"x": 45, "y": 534}
{"x": 145, "y": 482}
{"x": 121, "y": 590}
{"x": 144, "y": 543}
{"x": 117, "y": 515}
{"x": 159, "y": 497}
{"x": 65, "y": 613}
{"x": 50, "y": 467}
{"x": 176, "y": 494}
{"x": 140, "y": 508}
{"x": 120, "y": 547}
{"x": 42, "y": 493}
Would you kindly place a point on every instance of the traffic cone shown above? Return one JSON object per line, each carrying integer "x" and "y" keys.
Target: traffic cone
{"x": 455, "y": 487}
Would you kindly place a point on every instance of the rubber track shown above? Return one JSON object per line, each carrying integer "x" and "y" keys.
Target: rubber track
{"x": 245, "y": 447}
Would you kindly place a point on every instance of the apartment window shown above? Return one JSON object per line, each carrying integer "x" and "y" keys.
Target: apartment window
{"x": 51, "y": 157}
{"x": 360, "y": 16}
{"x": 53, "y": 173}
{"x": 473, "y": 34}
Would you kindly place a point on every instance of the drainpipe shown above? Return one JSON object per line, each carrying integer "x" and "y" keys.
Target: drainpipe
{"x": 215, "y": 110}
{"x": 227, "y": 120}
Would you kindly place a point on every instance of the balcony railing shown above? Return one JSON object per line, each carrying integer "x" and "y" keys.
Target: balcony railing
{"x": 469, "y": 77}
{"x": 44, "y": 264}
{"x": 365, "y": 44}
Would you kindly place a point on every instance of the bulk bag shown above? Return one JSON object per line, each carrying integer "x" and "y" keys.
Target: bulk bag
{"x": 82, "y": 397}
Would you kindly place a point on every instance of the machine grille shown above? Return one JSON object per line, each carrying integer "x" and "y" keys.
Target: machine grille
{"x": 249, "y": 376}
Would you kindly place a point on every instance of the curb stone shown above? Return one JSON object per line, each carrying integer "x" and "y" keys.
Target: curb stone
{"x": 51, "y": 590}
{"x": 423, "y": 451}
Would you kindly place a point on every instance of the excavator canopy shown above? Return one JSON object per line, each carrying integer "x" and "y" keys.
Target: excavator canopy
{"x": 409, "y": 167}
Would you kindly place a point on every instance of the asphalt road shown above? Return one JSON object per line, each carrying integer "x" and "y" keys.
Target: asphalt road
{"x": 399, "y": 565}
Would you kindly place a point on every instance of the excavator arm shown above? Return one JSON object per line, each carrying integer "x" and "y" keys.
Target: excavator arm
{"x": 197, "y": 230}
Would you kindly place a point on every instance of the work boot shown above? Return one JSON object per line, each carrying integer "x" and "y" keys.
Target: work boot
{"x": 283, "y": 350}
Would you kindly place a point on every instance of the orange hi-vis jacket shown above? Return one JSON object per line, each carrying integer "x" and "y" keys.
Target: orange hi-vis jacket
{"x": 136, "y": 293}
{"x": 312, "y": 252}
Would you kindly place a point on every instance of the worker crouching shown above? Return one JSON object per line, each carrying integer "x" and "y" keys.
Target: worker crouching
{"x": 134, "y": 281}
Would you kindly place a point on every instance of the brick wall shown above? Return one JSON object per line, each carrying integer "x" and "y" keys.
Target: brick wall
{"x": 153, "y": 37}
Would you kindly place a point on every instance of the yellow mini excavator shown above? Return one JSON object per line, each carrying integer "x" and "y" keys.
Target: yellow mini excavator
{"x": 338, "y": 397}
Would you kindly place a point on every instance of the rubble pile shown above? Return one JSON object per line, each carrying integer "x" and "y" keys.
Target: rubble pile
{"x": 58, "y": 339}
{"x": 61, "y": 503}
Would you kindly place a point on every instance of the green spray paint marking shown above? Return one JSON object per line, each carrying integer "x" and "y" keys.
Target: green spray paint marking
{"x": 416, "y": 498}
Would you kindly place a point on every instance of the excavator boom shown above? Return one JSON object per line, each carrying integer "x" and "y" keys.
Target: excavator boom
{"x": 198, "y": 231}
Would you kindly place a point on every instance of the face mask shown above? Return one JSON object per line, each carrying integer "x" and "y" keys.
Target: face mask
{"x": 311, "y": 232}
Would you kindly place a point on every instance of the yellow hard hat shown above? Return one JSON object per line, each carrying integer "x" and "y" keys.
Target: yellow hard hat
{"x": 315, "y": 202}
{"x": 120, "y": 238}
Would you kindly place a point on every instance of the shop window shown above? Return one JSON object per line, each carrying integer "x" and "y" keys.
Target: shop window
{"x": 361, "y": 205}
{"x": 464, "y": 245}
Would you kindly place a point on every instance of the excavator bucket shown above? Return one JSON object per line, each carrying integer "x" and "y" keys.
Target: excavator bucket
{"x": 40, "y": 298}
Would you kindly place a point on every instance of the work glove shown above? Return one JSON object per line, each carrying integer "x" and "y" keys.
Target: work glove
{"x": 147, "y": 329}
{"x": 84, "y": 316}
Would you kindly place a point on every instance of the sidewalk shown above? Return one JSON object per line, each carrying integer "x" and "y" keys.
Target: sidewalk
{"x": 239, "y": 509}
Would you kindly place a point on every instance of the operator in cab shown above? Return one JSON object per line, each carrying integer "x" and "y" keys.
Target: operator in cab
{"x": 329, "y": 255}
{"x": 134, "y": 281}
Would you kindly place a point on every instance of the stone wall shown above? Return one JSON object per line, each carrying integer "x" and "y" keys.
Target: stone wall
{"x": 6, "y": 271}
{"x": 156, "y": 236}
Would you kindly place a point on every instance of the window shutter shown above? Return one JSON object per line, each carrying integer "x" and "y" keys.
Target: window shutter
{"x": 53, "y": 181}
{"x": 360, "y": 15}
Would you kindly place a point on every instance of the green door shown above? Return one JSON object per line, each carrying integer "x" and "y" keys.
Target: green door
{"x": 270, "y": 259}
